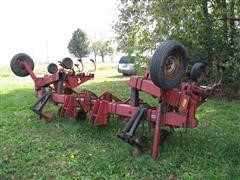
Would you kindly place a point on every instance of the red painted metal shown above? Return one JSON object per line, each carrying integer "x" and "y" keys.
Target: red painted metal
{"x": 177, "y": 108}
{"x": 146, "y": 85}
{"x": 157, "y": 131}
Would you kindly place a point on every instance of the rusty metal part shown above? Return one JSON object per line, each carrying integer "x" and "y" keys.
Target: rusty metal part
{"x": 172, "y": 65}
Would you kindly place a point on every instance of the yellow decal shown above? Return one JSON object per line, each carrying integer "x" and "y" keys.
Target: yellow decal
{"x": 184, "y": 103}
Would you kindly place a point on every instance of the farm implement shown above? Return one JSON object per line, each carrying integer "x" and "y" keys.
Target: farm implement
{"x": 177, "y": 99}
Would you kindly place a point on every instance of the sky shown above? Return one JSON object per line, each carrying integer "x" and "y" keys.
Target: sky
{"x": 43, "y": 28}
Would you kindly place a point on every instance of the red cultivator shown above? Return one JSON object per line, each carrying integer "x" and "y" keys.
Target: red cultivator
{"x": 178, "y": 100}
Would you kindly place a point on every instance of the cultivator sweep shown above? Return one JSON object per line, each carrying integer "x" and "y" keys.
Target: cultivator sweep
{"x": 178, "y": 100}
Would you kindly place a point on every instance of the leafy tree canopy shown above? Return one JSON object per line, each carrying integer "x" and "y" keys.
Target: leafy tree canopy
{"x": 78, "y": 45}
{"x": 207, "y": 28}
{"x": 102, "y": 49}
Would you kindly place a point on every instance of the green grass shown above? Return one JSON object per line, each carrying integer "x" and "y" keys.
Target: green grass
{"x": 65, "y": 149}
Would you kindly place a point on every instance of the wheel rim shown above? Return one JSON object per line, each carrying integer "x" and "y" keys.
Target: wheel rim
{"x": 20, "y": 60}
{"x": 201, "y": 71}
{"x": 171, "y": 66}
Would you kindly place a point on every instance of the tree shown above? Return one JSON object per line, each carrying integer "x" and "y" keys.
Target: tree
{"x": 111, "y": 52}
{"x": 102, "y": 48}
{"x": 78, "y": 45}
{"x": 205, "y": 27}
{"x": 94, "y": 49}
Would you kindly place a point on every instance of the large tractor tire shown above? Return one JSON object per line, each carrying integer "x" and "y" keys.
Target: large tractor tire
{"x": 17, "y": 67}
{"x": 168, "y": 65}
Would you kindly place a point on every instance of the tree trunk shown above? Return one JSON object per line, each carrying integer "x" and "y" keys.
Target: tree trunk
{"x": 95, "y": 57}
{"x": 224, "y": 17}
{"x": 102, "y": 57}
{"x": 208, "y": 30}
{"x": 232, "y": 24}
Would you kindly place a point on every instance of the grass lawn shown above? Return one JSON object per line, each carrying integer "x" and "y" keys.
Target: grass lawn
{"x": 65, "y": 149}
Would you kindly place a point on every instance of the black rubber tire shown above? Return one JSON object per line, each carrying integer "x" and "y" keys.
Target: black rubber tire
{"x": 198, "y": 72}
{"x": 80, "y": 115}
{"x": 167, "y": 50}
{"x": 67, "y": 63}
{"x": 127, "y": 75}
{"x": 52, "y": 68}
{"x": 15, "y": 64}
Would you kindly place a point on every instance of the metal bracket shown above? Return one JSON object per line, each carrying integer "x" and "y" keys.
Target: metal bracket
{"x": 129, "y": 129}
{"x": 39, "y": 105}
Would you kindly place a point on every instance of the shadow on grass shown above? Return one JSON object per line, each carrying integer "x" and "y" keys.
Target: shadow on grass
{"x": 120, "y": 76}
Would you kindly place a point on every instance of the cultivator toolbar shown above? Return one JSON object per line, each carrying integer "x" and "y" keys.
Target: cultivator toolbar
{"x": 178, "y": 100}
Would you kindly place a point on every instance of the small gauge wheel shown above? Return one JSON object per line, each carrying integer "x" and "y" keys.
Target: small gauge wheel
{"x": 198, "y": 72}
{"x": 52, "y": 68}
{"x": 17, "y": 66}
{"x": 67, "y": 63}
